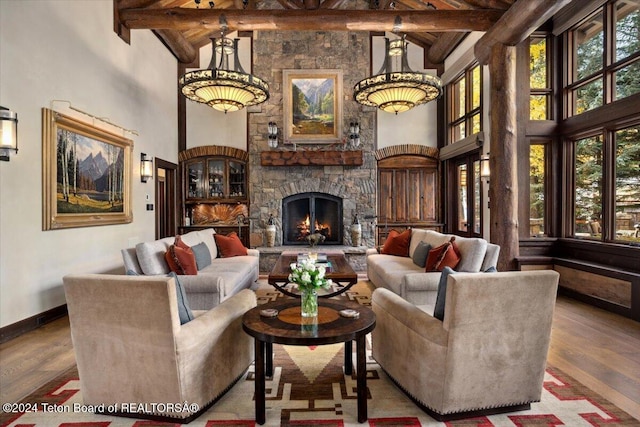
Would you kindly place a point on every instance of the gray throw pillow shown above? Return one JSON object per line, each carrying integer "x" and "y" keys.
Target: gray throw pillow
{"x": 184, "y": 311}
{"x": 421, "y": 253}
{"x": 438, "y": 311}
{"x": 202, "y": 254}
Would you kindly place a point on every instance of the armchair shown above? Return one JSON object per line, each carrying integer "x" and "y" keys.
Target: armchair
{"x": 487, "y": 356}
{"x": 131, "y": 348}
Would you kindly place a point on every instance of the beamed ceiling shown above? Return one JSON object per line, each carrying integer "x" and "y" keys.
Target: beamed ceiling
{"x": 184, "y": 26}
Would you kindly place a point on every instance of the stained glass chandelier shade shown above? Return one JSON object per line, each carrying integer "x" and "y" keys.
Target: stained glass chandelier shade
{"x": 396, "y": 91}
{"x": 221, "y": 88}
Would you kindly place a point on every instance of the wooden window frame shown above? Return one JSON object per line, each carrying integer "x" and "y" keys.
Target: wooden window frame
{"x": 470, "y": 111}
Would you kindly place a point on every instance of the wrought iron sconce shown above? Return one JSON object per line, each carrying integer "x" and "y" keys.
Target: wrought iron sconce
{"x": 8, "y": 133}
{"x": 354, "y": 134}
{"x": 273, "y": 135}
{"x": 146, "y": 168}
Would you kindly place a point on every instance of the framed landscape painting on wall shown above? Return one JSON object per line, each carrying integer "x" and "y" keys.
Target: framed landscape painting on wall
{"x": 312, "y": 106}
{"x": 86, "y": 174}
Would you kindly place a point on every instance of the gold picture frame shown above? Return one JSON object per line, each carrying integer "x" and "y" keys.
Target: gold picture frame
{"x": 312, "y": 106}
{"x": 86, "y": 174}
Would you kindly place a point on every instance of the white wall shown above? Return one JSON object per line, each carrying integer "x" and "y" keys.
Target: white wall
{"x": 66, "y": 49}
{"x": 206, "y": 126}
{"x": 416, "y": 126}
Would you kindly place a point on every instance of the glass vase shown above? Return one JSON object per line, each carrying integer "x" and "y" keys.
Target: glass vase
{"x": 309, "y": 303}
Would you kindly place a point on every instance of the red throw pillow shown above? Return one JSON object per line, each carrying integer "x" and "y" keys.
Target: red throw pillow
{"x": 230, "y": 245}
{"x": 397, "y": 243}
{"x": 181, "y": 258}
{"x": 446, "y": 255}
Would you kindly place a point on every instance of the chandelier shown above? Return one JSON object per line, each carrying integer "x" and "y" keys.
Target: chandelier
{"x": 396, "y": 88}
{"x": 222, "y": 88}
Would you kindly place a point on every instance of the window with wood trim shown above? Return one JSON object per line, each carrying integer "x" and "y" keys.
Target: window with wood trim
{"x": 606, "y": 185}
{"x": 538, "y": 176}
{"x": 541, "y": 89}
{"x": 603, "y": 57}
{"x": 464, "y": 100}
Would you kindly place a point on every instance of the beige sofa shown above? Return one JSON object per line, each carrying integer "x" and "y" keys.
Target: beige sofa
{"x": 488, "y": 354}
{"x": 411, "y": 282}
{"x": 131, "y": 348}
{"x": 213, "y": 284}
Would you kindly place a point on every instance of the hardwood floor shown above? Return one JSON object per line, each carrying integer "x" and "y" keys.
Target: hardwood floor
{"x": 597, "y": 348}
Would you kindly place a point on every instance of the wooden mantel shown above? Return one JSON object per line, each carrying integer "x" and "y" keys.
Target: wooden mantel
{"x": 311, "y": 158}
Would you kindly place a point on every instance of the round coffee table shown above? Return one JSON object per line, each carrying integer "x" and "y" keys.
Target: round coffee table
{"x": 290, "y": 328}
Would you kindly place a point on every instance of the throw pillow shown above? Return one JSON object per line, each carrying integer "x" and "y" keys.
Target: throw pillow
{"x": 443, "y": 256}
{"x": 397, "y": 243}
{"x": 202, "y": 254}
{"x": 438, "y": 311}
{"x": 230, "y": 245}
{"x": 420, "y": 254}
{"x": 184, "y": 311}
{"x": 180, "y": 258}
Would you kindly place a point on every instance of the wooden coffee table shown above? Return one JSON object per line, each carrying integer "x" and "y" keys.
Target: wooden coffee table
{"x": 290, "y": 328}
{"x": 341, "y": 273}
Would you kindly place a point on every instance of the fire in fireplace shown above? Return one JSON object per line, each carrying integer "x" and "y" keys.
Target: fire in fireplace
{"x": 308, "y": 213}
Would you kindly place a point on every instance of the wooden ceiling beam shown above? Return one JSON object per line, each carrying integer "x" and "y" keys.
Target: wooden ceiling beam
{"x": 332, "y": 4}
{"x": 135, "y": 4}
{"x": 178, "y": 45}
{"x": 489, "y": 4}
{"x": 442, "y": 47}
{"x": 516, "y": 24}
{"x": 308, "y": 20}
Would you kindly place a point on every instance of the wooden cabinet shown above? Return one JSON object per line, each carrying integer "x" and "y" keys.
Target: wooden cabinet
{"x": 215, "y": 194}
{"x": 408, "y": 194}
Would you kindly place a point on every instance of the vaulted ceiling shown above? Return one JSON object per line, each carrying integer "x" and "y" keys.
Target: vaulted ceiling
{"x": 186, "y": 25}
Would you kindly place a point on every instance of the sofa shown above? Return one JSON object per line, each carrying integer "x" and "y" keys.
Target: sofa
{"x": 223, "y": 278}
{"x": 402, "y": 276}
{"x": 488, "y": 353}
{"x": 149, "y": 358}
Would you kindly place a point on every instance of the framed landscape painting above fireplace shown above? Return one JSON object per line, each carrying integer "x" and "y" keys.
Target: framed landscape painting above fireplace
{"x": 312, "y": 106}
{"x": 86, "y": 174}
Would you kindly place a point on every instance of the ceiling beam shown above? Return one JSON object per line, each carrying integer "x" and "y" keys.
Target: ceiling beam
{"x": 178, "y": 45}
{"x": 517, "y": 23}
{"x": 310, "y": 20}
{"x": 443, "y": 47}
{"x": 489, "y": 4}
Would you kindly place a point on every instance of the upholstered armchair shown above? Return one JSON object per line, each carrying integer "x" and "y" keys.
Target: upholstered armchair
{"x": 131, "y": 347}
{"x": 489, "y": 353}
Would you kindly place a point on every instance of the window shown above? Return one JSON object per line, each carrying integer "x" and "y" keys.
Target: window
{"x": 603, "y": 68}
{"x": 606, "y": 168}
{"x": 588, "y": 187}
{"x": 464, "y": 98}
{"x": 537, "y": 188}
{"x": 627, "y": 186}
{"x": 539, "y": 79}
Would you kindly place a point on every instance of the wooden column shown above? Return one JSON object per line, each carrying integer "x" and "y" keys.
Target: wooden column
{"x": 503, "y": 186}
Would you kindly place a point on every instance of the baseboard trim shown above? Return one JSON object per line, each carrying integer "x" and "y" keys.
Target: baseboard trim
{"x": 14, "y": 330}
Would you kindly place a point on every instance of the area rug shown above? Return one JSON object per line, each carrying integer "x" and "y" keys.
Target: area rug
{"x": 309, "y": 388}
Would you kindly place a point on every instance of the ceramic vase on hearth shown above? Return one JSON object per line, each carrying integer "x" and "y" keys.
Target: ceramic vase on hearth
{"x": 309, "y": 303}
{"x": 356, "y": 234}
{"x": 270, "y": 232}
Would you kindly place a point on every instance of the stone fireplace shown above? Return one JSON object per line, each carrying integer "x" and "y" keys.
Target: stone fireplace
{"x": 353, "y": 184}
{"x": 309, "y": 213}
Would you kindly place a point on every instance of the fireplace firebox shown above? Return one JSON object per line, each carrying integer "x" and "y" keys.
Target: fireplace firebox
{"x": 308, "y": 213}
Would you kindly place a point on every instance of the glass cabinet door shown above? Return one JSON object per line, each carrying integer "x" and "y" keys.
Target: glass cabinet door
{"x": 237, "y": 179}
{"x": 216, "y": 178}
{"x": 195, "y": 176}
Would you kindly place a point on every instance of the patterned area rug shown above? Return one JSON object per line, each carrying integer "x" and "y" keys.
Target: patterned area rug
{"x": 309, "y": 388}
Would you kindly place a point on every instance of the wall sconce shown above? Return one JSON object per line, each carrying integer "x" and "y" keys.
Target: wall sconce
{"x": 354, "y": 134}
{"x": 485, "y": 171}
{"x": 273, "y": 135}
{"x": 146, "y": 168}
{"x": 8, "y": 133}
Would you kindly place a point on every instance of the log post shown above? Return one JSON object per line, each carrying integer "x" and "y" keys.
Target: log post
{"x": 503, "y": 186}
